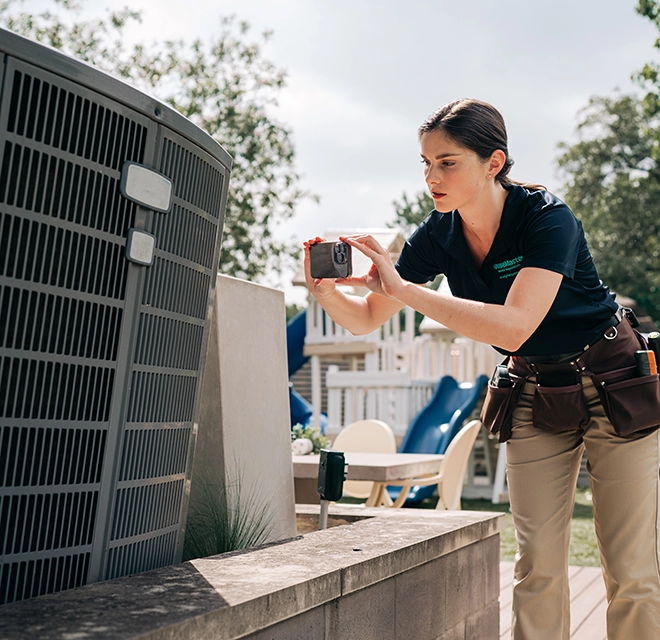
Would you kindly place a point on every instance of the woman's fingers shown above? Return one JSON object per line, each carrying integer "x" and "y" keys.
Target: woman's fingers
{"x": 353, "y": 281}
{"x": 367, "y": 245}
{"x": 312, "y": 241}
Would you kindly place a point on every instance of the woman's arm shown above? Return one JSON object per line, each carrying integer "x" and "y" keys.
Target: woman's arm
{"x": 506, "y": 326}
{"x": 359, "y": 315}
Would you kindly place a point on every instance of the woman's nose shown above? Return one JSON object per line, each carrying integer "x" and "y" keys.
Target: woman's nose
{"x": 431, "y": 176}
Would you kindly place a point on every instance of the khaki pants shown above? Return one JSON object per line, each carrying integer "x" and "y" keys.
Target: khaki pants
{"x": 542, "y": 471}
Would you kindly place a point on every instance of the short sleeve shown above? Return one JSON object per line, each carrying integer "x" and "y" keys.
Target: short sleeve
{"x": 420, "y": 258}
{"x": 552, "y": 240}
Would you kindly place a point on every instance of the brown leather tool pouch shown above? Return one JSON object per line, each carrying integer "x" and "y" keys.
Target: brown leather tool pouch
{"x": 559, "y": 408}
{"x": 632, "y": 402}
{"x": 497, "y": 410}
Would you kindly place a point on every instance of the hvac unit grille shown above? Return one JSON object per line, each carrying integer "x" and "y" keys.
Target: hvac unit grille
{"x": 62, "y": 118}
{"x": 166, "y": 365}
{"x": 58, "y": 324}
{"x": 40, "y": 457}
{"x": 30, "y": 578}
{"x": 63, "y": 279}
{"x": 100, "y": 359}
{"x": 152, "y": 552}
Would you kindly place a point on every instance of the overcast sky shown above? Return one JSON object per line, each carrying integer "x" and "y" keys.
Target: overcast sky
{"x": 363, "y": 74}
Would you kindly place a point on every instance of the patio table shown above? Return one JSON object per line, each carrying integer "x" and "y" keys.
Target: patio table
{"x": 381, "y": 468}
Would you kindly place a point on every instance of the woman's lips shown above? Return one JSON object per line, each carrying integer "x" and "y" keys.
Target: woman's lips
{"x": 436, "y": 195}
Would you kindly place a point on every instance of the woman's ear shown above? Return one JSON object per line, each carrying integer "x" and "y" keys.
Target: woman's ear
{"x": 496, "y": 162}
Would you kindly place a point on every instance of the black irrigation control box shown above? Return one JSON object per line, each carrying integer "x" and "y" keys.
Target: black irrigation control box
{"x": 332, "y": 473}
{"x": 111, "y": 212}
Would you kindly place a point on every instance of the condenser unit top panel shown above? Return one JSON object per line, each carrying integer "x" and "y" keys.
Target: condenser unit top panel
{"x": 39, "y": 55}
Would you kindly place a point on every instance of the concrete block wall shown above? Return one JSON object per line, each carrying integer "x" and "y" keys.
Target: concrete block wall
{"x": 454, "y": 597}
{"x": 392, "y": 574}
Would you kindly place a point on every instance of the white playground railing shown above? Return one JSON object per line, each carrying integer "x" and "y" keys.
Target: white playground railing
{"x": 400, "y": 376}
{"x": 390, "y": 396}
{"x": 431, "y": 357}
{"x": 321, "y": 329}
{"x": 397, "y": 396}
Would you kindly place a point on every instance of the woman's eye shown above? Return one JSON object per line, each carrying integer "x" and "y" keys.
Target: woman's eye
{"x": 448, "y": 163}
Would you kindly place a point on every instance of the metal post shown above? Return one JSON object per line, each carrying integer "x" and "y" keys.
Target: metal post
{"x": 323, "y": 516}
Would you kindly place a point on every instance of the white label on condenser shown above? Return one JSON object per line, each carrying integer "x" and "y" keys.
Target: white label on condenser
{"x": 146, "y": 187}
{"x": 140, "y": 247}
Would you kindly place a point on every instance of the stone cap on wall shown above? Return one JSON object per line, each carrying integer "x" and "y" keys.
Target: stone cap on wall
{"x": 235, "y": 594}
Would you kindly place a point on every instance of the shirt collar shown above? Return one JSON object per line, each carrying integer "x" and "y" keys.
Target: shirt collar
{"x": 449, "y": 231}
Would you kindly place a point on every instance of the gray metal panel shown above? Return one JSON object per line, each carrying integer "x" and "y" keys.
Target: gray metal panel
{"x": 172, "y": 336}
{"x": 62, "y": 285}
{"x": 100, "y": 359}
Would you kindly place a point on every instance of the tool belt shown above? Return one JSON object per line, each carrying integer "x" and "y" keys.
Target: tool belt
{"x": 631, "y": 402}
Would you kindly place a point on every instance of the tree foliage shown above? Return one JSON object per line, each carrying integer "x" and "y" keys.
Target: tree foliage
{"x": 410, "y": 213}
{"x": 226, "y": 86}
{"x": 612, "y": 183}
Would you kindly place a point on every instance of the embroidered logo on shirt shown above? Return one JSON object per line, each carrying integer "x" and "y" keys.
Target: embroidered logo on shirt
{"x": 508, "y": 268}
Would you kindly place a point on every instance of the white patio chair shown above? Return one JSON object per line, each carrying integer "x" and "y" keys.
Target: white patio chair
{"x": 452, "y": 470}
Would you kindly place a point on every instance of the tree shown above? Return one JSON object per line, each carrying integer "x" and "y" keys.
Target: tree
{"x": 409, "y": 214}
{"x": 612, "y": 183}
{"x": 226, "y": 87}
{"x": 649, "y": 76}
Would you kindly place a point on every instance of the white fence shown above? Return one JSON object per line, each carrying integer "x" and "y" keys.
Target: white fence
{"x": 400, "y": 373}
{"x": 390, "y": 396}
{"x": 397, "y": 396}
{"x": 321, "y": 329}
{"x": 431, "y": 357}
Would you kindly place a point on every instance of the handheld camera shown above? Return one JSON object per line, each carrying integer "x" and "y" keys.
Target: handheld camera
{"x": 330, "y": 260}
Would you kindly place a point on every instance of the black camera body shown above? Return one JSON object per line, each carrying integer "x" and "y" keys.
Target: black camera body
{"x": 330, "y": 260}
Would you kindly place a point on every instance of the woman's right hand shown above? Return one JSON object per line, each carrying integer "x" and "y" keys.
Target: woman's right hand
{"x": 319, "y": 287}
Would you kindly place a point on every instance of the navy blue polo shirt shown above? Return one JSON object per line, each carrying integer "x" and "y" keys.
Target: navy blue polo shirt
{"x": 537, "y": 230}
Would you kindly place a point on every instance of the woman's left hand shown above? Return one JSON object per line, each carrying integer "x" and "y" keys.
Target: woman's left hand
{"x": 382, "y": 277}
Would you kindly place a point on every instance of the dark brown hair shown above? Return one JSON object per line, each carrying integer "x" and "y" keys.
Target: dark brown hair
{"x": 477, "y": 126}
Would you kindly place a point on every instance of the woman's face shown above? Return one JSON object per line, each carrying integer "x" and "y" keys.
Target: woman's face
{"x": 455, "y": 176}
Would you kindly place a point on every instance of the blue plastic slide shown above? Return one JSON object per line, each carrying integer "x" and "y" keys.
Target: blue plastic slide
{"x": 296, "y": 329}
{"x": 301, "y": 410}
{"x": 437, "y": 423}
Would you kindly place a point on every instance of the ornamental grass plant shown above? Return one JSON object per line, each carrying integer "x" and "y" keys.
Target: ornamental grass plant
{"x": 222, "y": 518}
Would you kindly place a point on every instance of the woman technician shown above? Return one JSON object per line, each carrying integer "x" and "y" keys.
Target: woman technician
{"x": 523, "y": 280}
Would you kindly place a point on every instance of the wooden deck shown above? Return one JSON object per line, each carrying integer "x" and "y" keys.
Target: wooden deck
{"x": 587, "y": 602}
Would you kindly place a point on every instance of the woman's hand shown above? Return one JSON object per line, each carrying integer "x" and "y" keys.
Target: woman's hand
{"x": 319, "y": 287}
{"x": 360, "y": 315}
{"x": 382, "y": 278}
